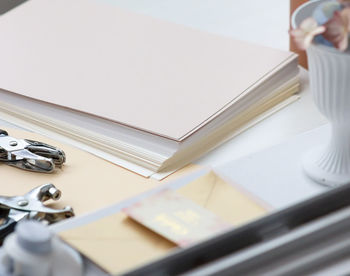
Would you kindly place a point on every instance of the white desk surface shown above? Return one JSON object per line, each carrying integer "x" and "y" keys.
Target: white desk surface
{"x": 263, "y": 22}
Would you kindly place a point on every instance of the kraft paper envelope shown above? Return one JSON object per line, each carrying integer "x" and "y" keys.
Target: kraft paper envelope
{"x": 87, "y": 182}
{"x": 117, "y": 243}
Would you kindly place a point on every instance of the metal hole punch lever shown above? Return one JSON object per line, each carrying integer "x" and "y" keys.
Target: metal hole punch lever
{"x": 29, "y": 155}
{"x": 30, "y": 206}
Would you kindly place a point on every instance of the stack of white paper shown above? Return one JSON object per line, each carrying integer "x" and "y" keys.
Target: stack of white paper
{"x": 144, "y": 93}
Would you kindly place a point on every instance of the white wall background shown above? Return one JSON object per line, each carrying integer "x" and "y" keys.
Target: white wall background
{"x": 262, "y": 21}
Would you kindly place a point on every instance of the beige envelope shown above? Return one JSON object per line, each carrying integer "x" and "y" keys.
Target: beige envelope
{"x": 87, "y": 182}
{"x": 117, "y": 243}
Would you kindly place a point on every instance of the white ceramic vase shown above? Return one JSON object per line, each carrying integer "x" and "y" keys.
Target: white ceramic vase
{"x": 329, "y": 74}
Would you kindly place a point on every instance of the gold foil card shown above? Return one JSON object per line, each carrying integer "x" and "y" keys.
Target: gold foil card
{"x": 176, "y": 218}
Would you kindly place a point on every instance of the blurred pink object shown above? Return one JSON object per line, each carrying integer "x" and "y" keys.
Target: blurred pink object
{"x": 306, "y": 32}
{"x": 338, "y": 28}
{"x": 344, "y": 2}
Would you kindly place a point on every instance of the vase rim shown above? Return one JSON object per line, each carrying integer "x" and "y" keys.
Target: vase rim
{"x": 300, "y": 9}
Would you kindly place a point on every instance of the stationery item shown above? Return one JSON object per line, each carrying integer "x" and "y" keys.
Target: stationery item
{"x": 144, "y": 93}
{"x": 118, "y": 243}
{"x": 30, "y": 206}
{"x": 88, "y": 183}
{"x": 176, "y": 218}
{"x": 29, "y": 154}
{"x": 309, "y": 238}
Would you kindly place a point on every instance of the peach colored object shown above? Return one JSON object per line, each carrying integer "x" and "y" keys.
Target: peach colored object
{"x": 88, "y": 183}
{"x": 118, "y": 243}
{"x": 306, "y": 32}
{"x": 294, "y": 4}
{"x": 338, "y": 29}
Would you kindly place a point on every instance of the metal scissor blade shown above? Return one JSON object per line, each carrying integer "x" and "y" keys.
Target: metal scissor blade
{"x": 31, "y": 206}
{"x": 30, "y": 161}
{"x": 29, "y": 154}
{"x": 45, "y": 150}
{"x": 51, "y": 215}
